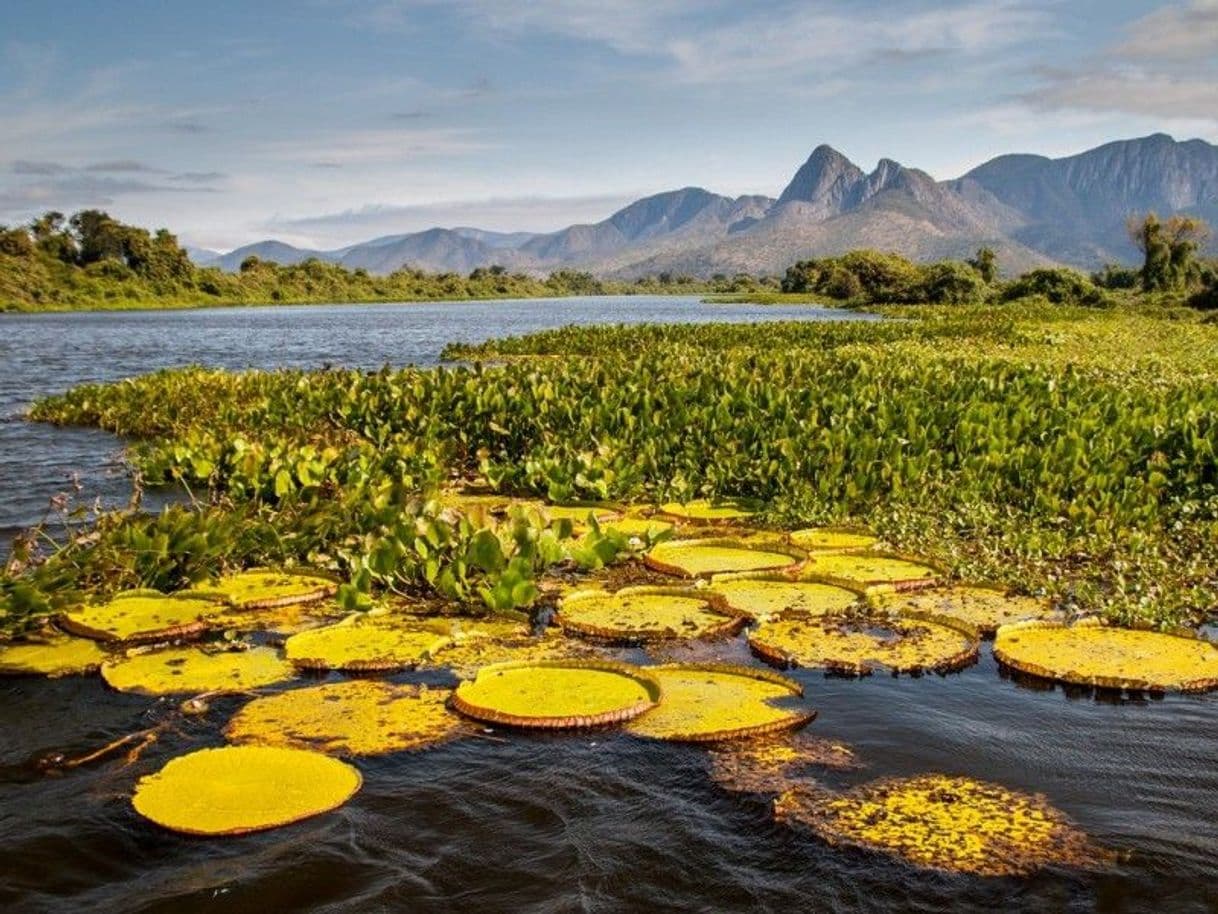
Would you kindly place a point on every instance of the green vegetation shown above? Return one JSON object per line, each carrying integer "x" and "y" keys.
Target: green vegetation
{"x": 92, "y": 262}
{"x": 1049, "y": 449}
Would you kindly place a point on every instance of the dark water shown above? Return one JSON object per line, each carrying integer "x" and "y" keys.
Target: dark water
{"x": 591, "y": 822}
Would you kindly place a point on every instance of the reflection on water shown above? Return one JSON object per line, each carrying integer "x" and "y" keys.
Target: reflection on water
{"x": 583, "y": 822}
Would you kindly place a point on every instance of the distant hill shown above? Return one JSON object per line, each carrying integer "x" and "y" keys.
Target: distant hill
{"x": 1032, "y": 210}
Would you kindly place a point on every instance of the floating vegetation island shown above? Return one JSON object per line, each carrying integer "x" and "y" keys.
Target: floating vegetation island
{"x": 388, "y": 562}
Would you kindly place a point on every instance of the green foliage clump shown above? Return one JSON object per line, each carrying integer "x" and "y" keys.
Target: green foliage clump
{"x": 1058, "y": 285}
{"x": 870, "y": 277}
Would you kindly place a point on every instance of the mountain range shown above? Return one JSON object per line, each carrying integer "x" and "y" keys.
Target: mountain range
{"x": 1030, "y": 209}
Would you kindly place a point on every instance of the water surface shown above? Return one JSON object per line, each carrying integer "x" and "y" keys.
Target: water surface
{"x": 589, "y": 822}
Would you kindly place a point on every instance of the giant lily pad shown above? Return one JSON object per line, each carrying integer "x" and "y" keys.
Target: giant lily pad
{"x": 191, "y": 670}
{"x": 859, "y": 645}
{"x": 579, "y": 514}
{"x": 384, "y": 642}
{"x": 139, "y": 616}
{"x": 238, "y": 789}
{"x": 360, "y": 717}
{"x": 832, "y": 539}
{"x": 870, "y": 570}
{"x": 712, "y": 703}
{"x": 763, "y": 597}
{"x": 54, "y": 655}
{"x": 984, "y": 608}
{"x": 953, "y": 824}
{"x": 707, "y": 511}
{"x": 557, "y": 694}
{"x": 638, "y": 614}
{"x": 702, "y": 558}
{"x": 1091, "y": 654}
{"x": 263, "y": 588}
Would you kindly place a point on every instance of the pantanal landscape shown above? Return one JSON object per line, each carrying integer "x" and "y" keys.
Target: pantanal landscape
{"x": 881, "y": 581}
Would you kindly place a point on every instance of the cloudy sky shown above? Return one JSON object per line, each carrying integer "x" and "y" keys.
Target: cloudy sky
{"x": 324, "y": 122}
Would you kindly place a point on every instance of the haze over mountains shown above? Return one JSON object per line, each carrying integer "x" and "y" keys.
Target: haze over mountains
{"x": 1031, "y": 209}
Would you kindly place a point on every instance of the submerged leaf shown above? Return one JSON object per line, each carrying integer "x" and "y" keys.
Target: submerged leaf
{"x": 360, "y": 717}
{"x": 727, "y": 510}
{"x": 238, "y": 789}
{"x": 870, "y": 570}
{"x": 773, "y": 765}
{"x": 954, "y": 824}
{"x": 711, "y": 703}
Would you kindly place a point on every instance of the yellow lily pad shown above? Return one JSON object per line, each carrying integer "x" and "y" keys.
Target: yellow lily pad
{"x": 191, "y": 670}
{"x": 984, "y": 608}
{"x": 368, "y": 643}
{"x": 57, "y": 655}
{"x": 639, "y": 614}
{"x": 239, "y": 789}
{"x": 830, "y": 539}
{"x": 360, "y": 717}
{"x": 263, "y": 588}
{"x": 702, "y": 510}
{"x": 557, "y": 694}
{"x": 1088, "y": 653}
{"x": 712, "y": 703}
{"x": 860, "y": 645}
{"x": 761, "y": 597}
{"x": 775, "y": 764}
{"x": 143, "y": 616}
{"x": 952, "y": 824}
{"x": 702, "y": 558}
{"x": 870, "y": 570}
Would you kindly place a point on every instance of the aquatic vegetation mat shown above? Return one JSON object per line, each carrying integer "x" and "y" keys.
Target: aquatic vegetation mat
{"x": 774, "y": 764}
{"x": 829, "y": 539}
{"x": 369, "y": 643}
{"x": 172, "y": 671}
{"x": 143, "y": 616}
{"x": 764, "y": 597}
{"x": 53, "y": 656}
{"x": 865, "y": 570}
{"x": 557, "y": 695}
{"x": 1091, "y": 654}
{"x": 702, "y": 558}
{"x": 637, "y": 614}
{"x": 860, "y": 645}
{"x": 953, "y": 824}
{"x": 264, "y": 588}
{"x": 712, "y": 703}
{"x": 360, "y": 717}
{"x": 984, "y": 608}
{"x": 239, "y": 789}
{"x": 702, "y": 510}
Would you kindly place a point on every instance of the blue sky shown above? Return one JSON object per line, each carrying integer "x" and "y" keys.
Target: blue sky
{"x": 325, "y": 122}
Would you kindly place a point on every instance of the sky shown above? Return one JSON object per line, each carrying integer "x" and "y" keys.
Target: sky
{"x": 328, "y": 122}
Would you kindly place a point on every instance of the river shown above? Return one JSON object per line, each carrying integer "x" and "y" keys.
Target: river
{"x": 586, "y": 822}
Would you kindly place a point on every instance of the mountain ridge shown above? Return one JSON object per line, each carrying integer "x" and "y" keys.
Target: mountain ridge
{"x": 1033, "y": 210}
